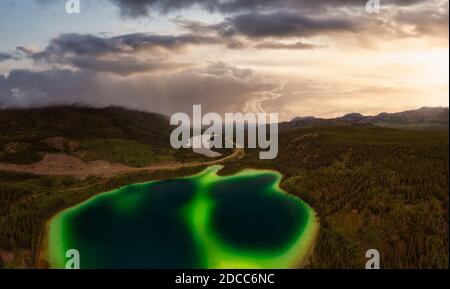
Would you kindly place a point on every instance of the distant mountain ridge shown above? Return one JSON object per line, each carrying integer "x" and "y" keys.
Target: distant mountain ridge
{"x": 425, "y": 117}
{"x": 152, "y": 127}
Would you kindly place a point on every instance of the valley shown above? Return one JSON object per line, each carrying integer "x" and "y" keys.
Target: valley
{"x": 371, "y": 187}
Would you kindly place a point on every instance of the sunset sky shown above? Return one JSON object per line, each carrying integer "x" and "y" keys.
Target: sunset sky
{"x": 296, "y": 57}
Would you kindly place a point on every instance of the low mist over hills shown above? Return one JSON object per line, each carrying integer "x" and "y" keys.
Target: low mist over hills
{"x": 426, "y": 117}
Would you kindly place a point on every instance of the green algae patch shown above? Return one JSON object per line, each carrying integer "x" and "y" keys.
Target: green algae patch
{"x": 202, "y": 221}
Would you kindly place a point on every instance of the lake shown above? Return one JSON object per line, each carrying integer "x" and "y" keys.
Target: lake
{"x": 202, "y": 221}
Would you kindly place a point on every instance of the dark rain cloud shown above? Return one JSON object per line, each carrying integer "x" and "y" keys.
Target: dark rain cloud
{"x": 95, "y": 62}
{"x": 258, "y": 29}
{"x": 146, "y": 7}
{"x": 218, "y": 87}
{"x": 119, "y": 54}
{"x": 5, "y": 56}
{"x": 19, "y": 53}
{"x": 140, "y": 52}
{"x": 287, "y": 46}
{"x": 88, "y": 44}
{"x": 283, "y": 19}
{"x": 137, "y": 8}
{"x": 430, "y": 19}
{"x": 283, "y": 24}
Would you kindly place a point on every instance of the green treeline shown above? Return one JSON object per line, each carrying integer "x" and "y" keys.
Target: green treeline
{"x": 26, "y": 205}
{"x": 372, "y": 188}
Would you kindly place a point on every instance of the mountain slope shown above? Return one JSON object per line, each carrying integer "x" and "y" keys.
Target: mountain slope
{"x": 426, "y": 117}
{"x": 112, "y": 134}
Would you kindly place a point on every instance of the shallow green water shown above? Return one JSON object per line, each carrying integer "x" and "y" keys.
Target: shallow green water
{"x": 203, "y": 221}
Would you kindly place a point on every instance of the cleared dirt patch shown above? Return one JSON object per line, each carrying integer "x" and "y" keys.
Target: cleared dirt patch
{"x": 65, "y": 165}
{"x": 62, "y": 164}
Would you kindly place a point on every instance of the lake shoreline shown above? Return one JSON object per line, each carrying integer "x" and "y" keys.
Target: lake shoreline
{"x": 42, "y": 258}
{"x": 313, "y": 224}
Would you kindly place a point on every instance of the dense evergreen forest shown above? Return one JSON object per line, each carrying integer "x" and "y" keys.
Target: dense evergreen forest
{"x": 372, "y": 188}
{"x": 27, "y": 202}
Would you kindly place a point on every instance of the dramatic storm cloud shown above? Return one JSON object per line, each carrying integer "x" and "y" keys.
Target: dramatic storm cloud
{"x": 86, "y": 44}
{"x": 283, "y": 24}
{"x": 145, "y": 7}
{"x": 218, "y": 87}
{"x": 295, "y": 57}
{"x": 121, "y": 55}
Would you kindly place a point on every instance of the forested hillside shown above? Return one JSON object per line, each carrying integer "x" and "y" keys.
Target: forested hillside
{"x": 373, "y": 188}
{"x": 112, "y": 134}
{"x": 423, "y": 118}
